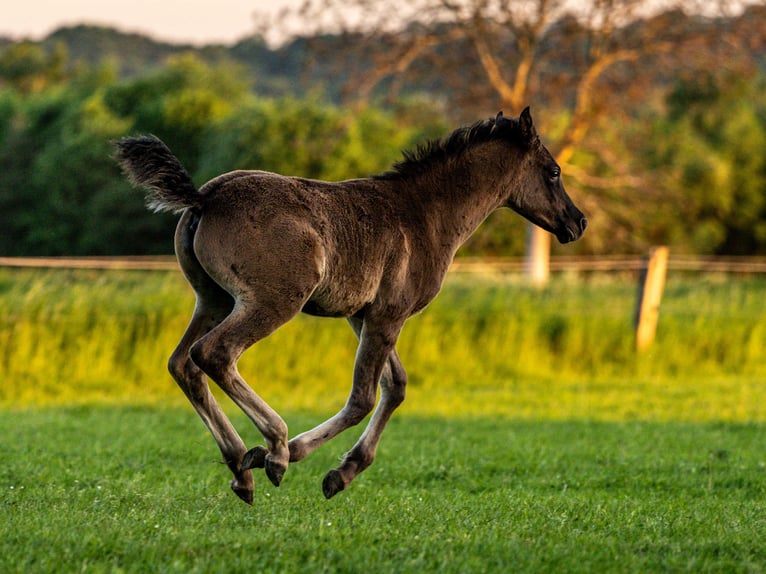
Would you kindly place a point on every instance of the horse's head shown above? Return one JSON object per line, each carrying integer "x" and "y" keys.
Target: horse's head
{"x": 538, "y": 193}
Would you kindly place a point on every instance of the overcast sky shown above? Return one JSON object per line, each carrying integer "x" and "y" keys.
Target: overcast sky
{"x": 188, "y": 21}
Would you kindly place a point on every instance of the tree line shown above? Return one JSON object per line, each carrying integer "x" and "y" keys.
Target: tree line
{"x": 683, "y": 165}
{"x": 61, "y": 192}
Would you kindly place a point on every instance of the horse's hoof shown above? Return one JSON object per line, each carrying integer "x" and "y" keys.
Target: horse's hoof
{"x": 332, "y": 484}
{"x": 254, "y": 458}
{"x": 244, "y": 493}
{"x": 274, "y": 471}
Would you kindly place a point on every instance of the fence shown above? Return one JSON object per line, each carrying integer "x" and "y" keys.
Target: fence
{"x": 651, "y": 269}
{"x": 141, "y": 263}
{"x": 615, "y": 263}
{"x": 576, "y": 264}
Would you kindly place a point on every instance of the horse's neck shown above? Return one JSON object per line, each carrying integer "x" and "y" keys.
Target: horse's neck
{"x": 459, "y": 195}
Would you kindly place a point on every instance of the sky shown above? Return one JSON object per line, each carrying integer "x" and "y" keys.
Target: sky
{"x": 182, "y": 21}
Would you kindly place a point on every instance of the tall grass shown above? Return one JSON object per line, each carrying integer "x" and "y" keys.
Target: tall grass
{"x": 485, "y": 345}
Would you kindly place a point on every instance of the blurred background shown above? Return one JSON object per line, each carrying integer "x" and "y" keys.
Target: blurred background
{"x": 655, "y": 109}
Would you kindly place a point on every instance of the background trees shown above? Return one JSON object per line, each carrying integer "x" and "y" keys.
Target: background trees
{"x": 575, "y": 62}
{"x": 659, "y": 121}
{"x": 61, "y": 193}
{"x": 710, "y": 154}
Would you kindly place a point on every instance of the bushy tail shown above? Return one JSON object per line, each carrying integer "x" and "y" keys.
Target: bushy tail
{"x": 148, "y": 162}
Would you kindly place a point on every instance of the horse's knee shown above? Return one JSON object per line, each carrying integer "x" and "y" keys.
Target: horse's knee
{"x": 396, "y": 393}
{"x": 176, "y": 367}
{"x": 188, "y": 376}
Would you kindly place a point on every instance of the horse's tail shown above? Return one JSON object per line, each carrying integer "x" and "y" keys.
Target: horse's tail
{"x": 148, "y": 162}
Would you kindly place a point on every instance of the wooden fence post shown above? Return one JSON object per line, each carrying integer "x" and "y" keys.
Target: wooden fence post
{"x": 538, "y": 256}
{"x": 652, "y": 284}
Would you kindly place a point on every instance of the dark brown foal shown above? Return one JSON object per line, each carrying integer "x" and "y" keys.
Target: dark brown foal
{"x": 258, "y": 248}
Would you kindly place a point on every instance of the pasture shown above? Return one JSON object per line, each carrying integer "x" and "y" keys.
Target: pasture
{"x": 532, "y": 439}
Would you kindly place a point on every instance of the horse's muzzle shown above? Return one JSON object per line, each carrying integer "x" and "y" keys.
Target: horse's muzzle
{"x": 572, "y": 232}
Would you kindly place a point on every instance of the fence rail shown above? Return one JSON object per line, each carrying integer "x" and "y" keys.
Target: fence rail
{"x": 749, "y": 264}
{"x": 615, "y": 263}
{"x": 141, "y": 263}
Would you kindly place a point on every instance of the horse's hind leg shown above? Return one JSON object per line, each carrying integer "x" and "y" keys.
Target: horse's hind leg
{"x": 213, "y": 305}
{"x": 217, "y": 354}
{"x": 192, "y": 381}
{"x": 273, "y": 269}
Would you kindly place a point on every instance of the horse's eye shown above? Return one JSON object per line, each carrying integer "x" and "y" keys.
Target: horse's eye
{"x": 554, "y": 173}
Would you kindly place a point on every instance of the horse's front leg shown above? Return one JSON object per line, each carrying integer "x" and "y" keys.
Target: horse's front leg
{"x": 376, "y": 344}
{"x": 392, "y": 391}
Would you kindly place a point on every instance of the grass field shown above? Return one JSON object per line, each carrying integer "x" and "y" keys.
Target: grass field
{"x": 141, "y": 490}
{"x": 532, "y": 439}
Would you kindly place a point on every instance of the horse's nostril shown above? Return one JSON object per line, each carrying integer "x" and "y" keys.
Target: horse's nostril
{"x": 583, "y": 224}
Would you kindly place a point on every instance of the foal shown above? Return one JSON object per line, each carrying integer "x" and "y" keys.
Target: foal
{"x": 259, "y": 248}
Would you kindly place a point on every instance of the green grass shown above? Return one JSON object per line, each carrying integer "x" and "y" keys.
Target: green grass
{"x": 533, "y": 439}
{"x": 141, "y": 490}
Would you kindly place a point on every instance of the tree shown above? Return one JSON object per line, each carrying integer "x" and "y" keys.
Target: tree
{"x": 61, "y": 193}
{"x": 312, "y": 139}
{"x": 180, "y": 101}
{"x": 583, "y": 59}
{"x": 713, "y": 141}
{"x": 28, "y": 68}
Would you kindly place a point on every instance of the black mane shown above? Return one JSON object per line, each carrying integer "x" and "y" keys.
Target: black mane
{"x": 438, "y": 151}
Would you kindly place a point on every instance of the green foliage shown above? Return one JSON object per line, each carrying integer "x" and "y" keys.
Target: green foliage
{"x": 302, "y": 137}
{"x": 690, "y": 173}
{"x": 29, "y": 68}
{"x": 711, "y": 153}
{"x": 58, "y": 172}
{"x": 60, "y": 192}
{"x": 181, "y": 103}
{"x": 688, "y": 169}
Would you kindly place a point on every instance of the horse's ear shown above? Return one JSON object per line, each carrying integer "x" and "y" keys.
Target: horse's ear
{"x": 499, "y": 119}
{"x": 528, "y": 132}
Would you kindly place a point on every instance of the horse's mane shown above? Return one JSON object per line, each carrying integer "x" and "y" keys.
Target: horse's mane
{"x": 438, "y": 151}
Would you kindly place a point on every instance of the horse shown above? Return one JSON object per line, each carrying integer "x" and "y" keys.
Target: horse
{"x": 258, "y": 248}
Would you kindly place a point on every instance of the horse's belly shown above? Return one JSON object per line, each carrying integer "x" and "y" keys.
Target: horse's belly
{"x": 344, "y": 298}
{"x": 317, "y": 310}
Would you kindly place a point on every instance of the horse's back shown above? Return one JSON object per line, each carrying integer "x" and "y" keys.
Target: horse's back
{"x": 344, "y": 241}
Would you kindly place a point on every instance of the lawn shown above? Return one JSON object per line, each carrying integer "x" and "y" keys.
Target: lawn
{"x": 99, "y": 489}
{"x": 533, "y": 438}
